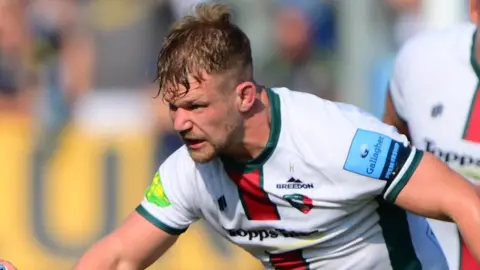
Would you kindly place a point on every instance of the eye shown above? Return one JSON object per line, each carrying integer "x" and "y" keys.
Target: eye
{"x": 172, "y": 107}
{"x": 196, "y": 106}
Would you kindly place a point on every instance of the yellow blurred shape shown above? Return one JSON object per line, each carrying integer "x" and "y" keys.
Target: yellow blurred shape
{"x": 74, "y": 194}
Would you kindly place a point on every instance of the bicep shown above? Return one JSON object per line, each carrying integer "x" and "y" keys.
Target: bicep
{"x": 436, "y": 191}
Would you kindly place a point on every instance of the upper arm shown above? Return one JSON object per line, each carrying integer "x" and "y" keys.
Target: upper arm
{"x": 169, "y": 202}
{"x": 380, "y": 161}
{"x": 434, "y": 190}
{"x": 369, "y": 158}
{"x": 165, "y": 212}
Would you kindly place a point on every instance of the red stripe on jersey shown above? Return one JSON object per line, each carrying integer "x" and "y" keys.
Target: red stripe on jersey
{"x": 256, "y": 204}
{"x": 292, "y": 260}
{"x": 467, "y": 261}
{"x": 472, "y": 127}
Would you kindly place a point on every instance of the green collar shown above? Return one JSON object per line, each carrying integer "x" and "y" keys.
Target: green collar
{"x": 275, "y": 127}
{"x": 473, "y": 55}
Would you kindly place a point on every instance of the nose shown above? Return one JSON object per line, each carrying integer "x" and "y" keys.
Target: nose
{"x": 181, "y": 120}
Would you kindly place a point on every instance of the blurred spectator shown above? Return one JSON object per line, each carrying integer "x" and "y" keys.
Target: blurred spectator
{"x": 408, "y": 19}
{"x": 305, "y": 37}
{"x": 63, "y": 60}
{"x": 16, "y": 70}
{"x": 126, "y": 35}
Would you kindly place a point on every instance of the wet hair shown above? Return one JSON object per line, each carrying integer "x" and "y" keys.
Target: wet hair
{"x": 204, "y": 41}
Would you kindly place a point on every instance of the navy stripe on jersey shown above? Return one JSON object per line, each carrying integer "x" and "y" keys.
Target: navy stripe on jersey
{"x": 396, "y": 232}
{"x": 399, "y": 155}
{"x": 292, "y": 260}
{"x": 255, "y": 200}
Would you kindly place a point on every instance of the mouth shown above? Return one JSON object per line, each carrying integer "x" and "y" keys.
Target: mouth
{"x": 193, "y": 143}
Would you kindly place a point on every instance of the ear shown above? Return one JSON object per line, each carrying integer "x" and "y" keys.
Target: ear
{"x": 474, "y": 10}
{"x": 246, "y": 94}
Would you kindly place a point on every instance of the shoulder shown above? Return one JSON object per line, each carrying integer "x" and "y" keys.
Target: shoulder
{"x": 178, "y": 170}
{"x": 325, "y": 131}
{"x": 179, "y": 160}
{"x": 425, "y": 59}
{"x": 171, "y": 202}
{"x": 181, "y": 172}
{"x": 433, "y": 47}
{"x": 318, "y": 115}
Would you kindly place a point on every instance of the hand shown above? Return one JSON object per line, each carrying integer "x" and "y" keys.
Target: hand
{"x": 5, "y": 265}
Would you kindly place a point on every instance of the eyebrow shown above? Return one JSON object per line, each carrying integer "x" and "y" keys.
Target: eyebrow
{"x": 190, "y": 99}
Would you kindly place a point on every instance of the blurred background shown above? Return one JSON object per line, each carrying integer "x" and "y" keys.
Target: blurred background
{"x": 81, "y": 133}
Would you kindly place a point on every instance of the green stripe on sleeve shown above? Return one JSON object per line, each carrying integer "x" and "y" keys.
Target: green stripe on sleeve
{"x": 392, "y": 195}
{"x": 162, "y": 226}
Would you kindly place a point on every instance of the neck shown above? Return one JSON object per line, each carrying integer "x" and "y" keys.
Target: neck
{"x": 256, "y": 130}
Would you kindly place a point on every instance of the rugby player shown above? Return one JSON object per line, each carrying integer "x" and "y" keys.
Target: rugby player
{"x": 298, "y": 181}
{"x": 433, "y": 98}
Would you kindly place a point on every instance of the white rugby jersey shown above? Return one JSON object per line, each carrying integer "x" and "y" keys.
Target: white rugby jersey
{"x": 434, "y": 89}
{"x": 313, "y": 199}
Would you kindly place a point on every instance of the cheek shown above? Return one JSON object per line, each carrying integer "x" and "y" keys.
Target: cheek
{"x": 212, "y": 123}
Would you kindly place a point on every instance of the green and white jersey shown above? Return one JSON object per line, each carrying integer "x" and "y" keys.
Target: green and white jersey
{"x": 434, "y": 88}
{"x": 318, "y": 197}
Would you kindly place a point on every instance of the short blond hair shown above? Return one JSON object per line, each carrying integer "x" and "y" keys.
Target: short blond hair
{"x": 204, "y": 41}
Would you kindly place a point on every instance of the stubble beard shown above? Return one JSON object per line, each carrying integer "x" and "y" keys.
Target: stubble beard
{"x": 211, "y": 149}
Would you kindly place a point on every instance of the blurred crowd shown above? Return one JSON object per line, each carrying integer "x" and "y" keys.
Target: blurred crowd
{"x": 81, "y": 130}
{"x": 93, "y": 62}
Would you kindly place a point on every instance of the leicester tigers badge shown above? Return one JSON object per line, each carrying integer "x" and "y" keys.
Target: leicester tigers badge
{"x": 301, "y": 202}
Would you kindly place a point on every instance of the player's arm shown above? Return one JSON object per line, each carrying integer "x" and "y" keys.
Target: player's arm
{"x": 136, "y": 244}
{"x": 167, "y": 210}
{"x": 384, "y": 163}
{"x": 434, "y": 190}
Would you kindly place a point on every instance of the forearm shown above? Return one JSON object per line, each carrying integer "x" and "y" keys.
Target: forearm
{"x": 436, "y": 191}
{"x": 106, "y": 255}
{"x": 466, "y": 214}
{"x": 469, "y": 227}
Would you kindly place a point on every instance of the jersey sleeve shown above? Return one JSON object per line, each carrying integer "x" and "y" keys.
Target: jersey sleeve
{"x": 169, "y": 201}
{"x": 372, "y": 158}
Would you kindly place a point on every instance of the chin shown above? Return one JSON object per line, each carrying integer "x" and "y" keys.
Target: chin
{"x": 201, "y": 155}
{"x": 201, "y": 158}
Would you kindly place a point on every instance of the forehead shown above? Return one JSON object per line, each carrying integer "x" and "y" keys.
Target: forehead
{"x": 204, "y": 88}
